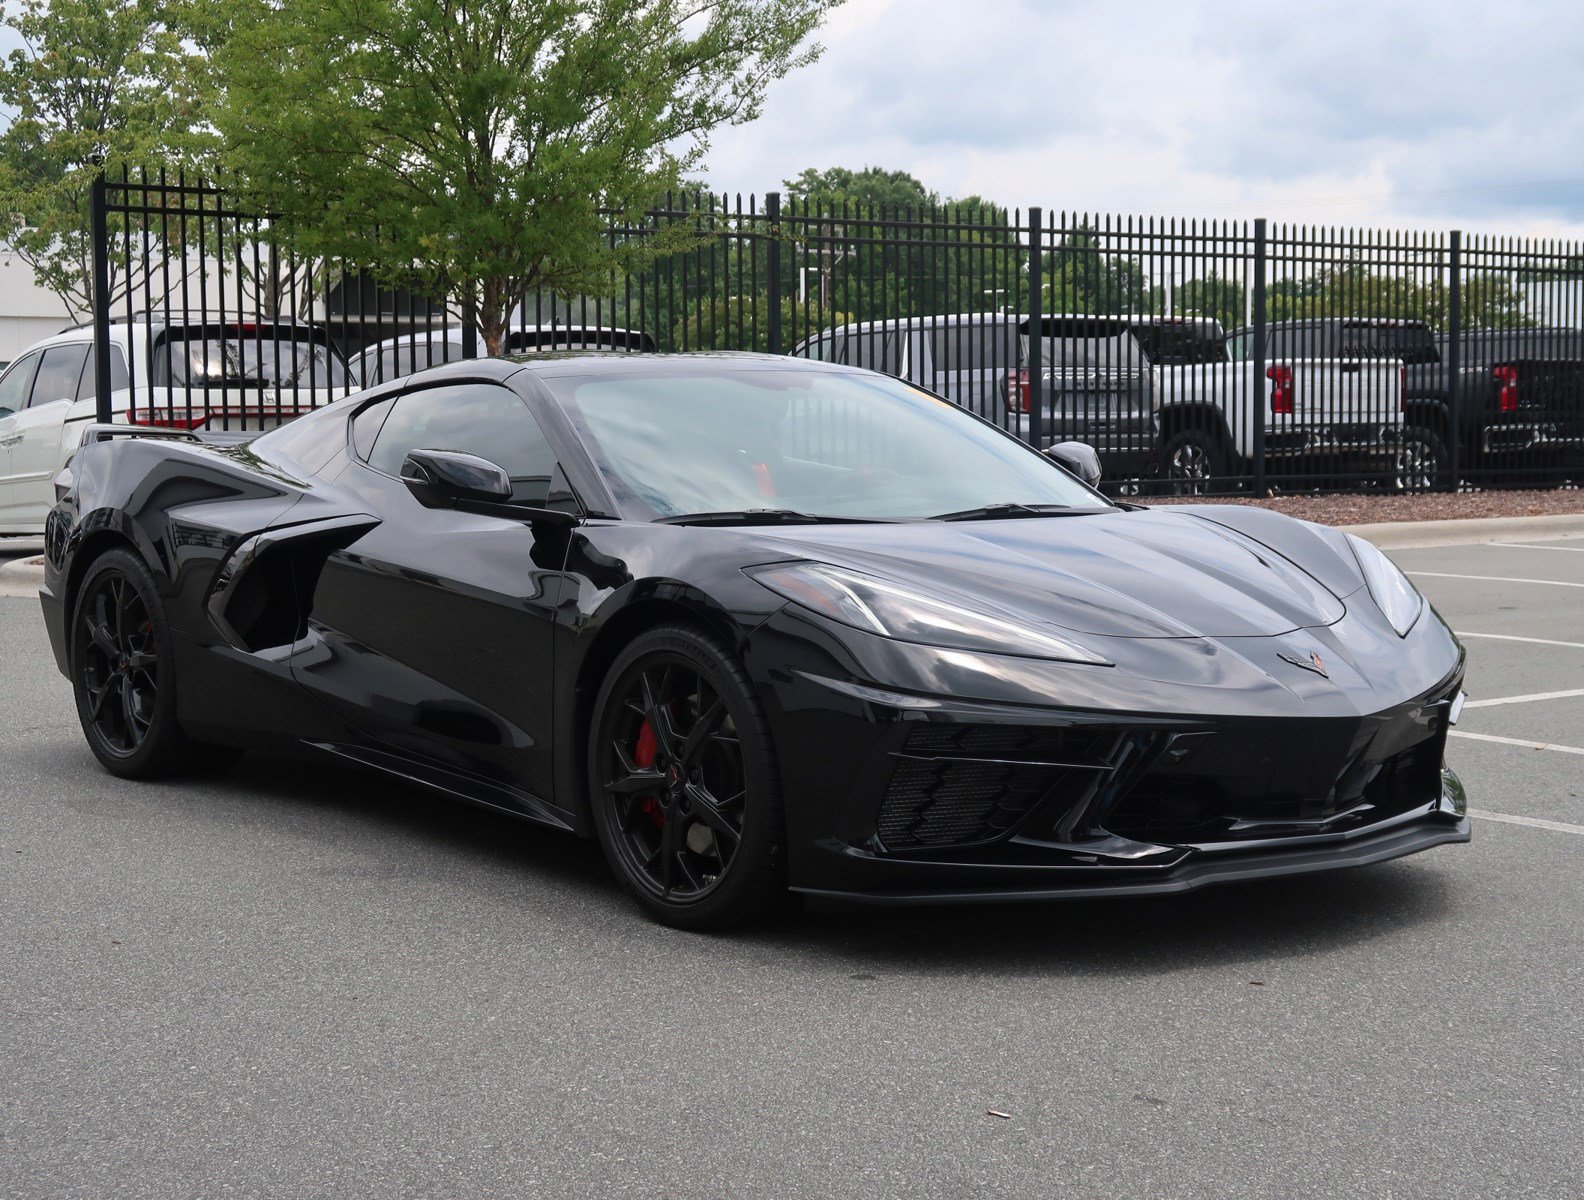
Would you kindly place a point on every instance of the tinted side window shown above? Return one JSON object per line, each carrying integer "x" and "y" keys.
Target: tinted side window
{"x": 118, "y": 375}
{"x": 59, "y": 373}
{"x": 1240, "y": 346}
{"x": 14, "y": 387}
{"x": 366, "y": 427}
{"x": 816, "y": 348}
{"x": 874, "y": 350}
{"x": 475, "y": 418}
{"x": 971, "y": 347}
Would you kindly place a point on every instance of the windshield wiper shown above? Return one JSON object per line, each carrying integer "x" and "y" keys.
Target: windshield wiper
{"x": 1009, "y": 511}
{"x": 766, "y": 516}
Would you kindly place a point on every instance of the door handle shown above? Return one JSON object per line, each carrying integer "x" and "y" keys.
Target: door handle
{"x": 12, "y": 440}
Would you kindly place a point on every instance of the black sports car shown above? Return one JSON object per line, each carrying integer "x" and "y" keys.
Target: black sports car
{"x": 759, "y": 624}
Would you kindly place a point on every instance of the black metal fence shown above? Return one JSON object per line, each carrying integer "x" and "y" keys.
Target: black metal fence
{"x": 1198, "y": 357}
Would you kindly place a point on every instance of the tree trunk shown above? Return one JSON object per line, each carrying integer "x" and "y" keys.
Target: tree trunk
{"x": 494, "y": 311}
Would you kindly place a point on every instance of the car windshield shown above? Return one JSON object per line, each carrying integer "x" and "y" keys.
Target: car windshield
{"x": 693, "y": 438}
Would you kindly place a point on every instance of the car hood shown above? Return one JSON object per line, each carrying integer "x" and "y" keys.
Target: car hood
{"x": 1139, "y": 573}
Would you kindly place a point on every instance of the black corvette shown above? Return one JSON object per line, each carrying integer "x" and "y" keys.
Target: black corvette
{"x": 758, "y": 624}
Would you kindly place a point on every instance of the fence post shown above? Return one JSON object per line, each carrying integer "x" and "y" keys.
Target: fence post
{"x": 1036, "y": 304}
{"x": 1259, "y": 355}
{"x": 99, "y": 235}
{"x": 1454, "y": 362}
{"x": 773, "y": 273}
{"x": 470, "y": 346}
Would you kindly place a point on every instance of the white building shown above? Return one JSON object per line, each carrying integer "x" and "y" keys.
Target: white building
{"x": 27, "y": 311}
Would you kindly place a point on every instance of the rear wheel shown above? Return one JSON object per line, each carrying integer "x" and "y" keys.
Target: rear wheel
{"x": 1193, "y": 463}
{"x": 1423, "y": 464}
{"x": 685, "y": 794}
{"x": 123, "y": 675}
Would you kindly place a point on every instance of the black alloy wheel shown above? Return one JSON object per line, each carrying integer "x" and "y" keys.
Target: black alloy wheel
{"x": 684, "y": 790}
{"x": 123, "y": 674}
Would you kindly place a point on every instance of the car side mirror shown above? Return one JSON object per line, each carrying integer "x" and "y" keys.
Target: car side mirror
{"x": 453, "y": 479}
{"x": 441, "y": 478}
{"x": 1078, "y": 457}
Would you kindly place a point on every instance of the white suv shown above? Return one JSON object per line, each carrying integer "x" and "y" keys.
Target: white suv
{"x": 408, "y": 353}
{"x": 232, "y": 376}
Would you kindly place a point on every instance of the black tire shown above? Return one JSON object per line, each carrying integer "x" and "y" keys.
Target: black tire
{"x": 123, "y": 672}
{"x": 681, "y": 765}
{"x": 1423, "y": 463}
{"x": 1193, "y": 462}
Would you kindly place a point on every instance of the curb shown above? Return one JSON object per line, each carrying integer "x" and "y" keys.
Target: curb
{"x": 22, "y": 577}
{"x": 1418, "y": 535}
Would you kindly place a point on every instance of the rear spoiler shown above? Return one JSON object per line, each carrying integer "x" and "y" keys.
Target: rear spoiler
{"x": 219, "y": 437}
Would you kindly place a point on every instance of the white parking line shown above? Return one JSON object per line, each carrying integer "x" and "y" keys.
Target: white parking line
{"x": 1532, "y": 696}
{"x": 1537, "y": 546}
{"x": 1494, "y": 578}
{"x": 1533, "y": 822}
{"x": 1507, "y": 741}
{"x": 1513, "y": 637}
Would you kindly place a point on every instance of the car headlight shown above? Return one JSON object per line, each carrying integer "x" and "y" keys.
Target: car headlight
{"x": 893, "y": 610}
{"x": 1395, "y": 596}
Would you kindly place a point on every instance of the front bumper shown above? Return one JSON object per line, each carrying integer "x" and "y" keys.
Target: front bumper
{"x": 907, "y": 798}
{"x": 1187, "y": 876}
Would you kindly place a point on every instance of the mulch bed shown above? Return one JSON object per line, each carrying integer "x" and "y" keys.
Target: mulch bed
{"x": 1365, "y": 509}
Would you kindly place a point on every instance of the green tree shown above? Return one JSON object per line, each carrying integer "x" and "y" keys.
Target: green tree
{"x": 93, "y": 87}
{"x": 878, "y": 243}
{"x": 477, "y": 146}
{"x": 1212, "y": 295}
{"x": 742, "y": 323}
{"x": 1490, "y": 299}
{"x": 1082, "y": 278}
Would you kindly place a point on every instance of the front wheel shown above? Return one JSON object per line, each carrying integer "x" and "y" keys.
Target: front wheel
{"x": 684, "y": 788}
{"x": 1193, "y": 463}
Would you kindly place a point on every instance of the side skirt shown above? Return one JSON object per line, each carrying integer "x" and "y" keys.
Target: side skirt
{"x": 461, "y": 787}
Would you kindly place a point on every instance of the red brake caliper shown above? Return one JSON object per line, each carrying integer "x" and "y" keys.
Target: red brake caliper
{"x": 644, "y": 751}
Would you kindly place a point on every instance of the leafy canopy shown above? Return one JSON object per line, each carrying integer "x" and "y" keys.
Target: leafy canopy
{"x": 94, "y": 85}
{"x": 470, "y": 146}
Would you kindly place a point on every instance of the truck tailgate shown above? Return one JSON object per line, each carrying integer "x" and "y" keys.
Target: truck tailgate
{"x": 1343, "y": 392}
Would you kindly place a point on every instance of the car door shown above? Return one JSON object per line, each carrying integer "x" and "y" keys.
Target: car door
{"x": 15, "y": 386}
{"x": 432, "y": 631}
{"x": 35, "y": 454}
{"x": 37, "y": 429}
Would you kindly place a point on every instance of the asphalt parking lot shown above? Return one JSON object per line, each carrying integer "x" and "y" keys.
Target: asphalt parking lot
{"x": 300, "y": 981}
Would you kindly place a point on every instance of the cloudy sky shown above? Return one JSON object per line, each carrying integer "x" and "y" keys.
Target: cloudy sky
{"x": 1396, "y": 112}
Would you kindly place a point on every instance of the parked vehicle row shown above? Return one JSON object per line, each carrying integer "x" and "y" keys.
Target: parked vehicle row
{"x": 218, "y": 377}
{"x": 210, "y": 375}
{"x": 1168, "y": 402}
{"x": 1176, "y": 400}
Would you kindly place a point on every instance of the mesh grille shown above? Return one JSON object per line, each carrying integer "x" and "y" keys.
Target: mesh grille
{"x": 941, "y": 802}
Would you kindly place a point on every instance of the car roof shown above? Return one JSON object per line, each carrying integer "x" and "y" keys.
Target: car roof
{"x": 573, "y": 362}
{"x": 453, "y": 333}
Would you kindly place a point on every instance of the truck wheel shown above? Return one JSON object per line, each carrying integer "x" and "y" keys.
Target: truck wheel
{"x": 1193, "y": 463}
{"x": 1423, "y": 464}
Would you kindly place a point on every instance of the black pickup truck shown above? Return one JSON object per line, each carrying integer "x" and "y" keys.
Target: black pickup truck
{"x": 1521, "y": 401}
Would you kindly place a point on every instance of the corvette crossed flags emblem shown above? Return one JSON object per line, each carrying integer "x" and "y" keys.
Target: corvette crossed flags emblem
{"x": 1313, "y": 663}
